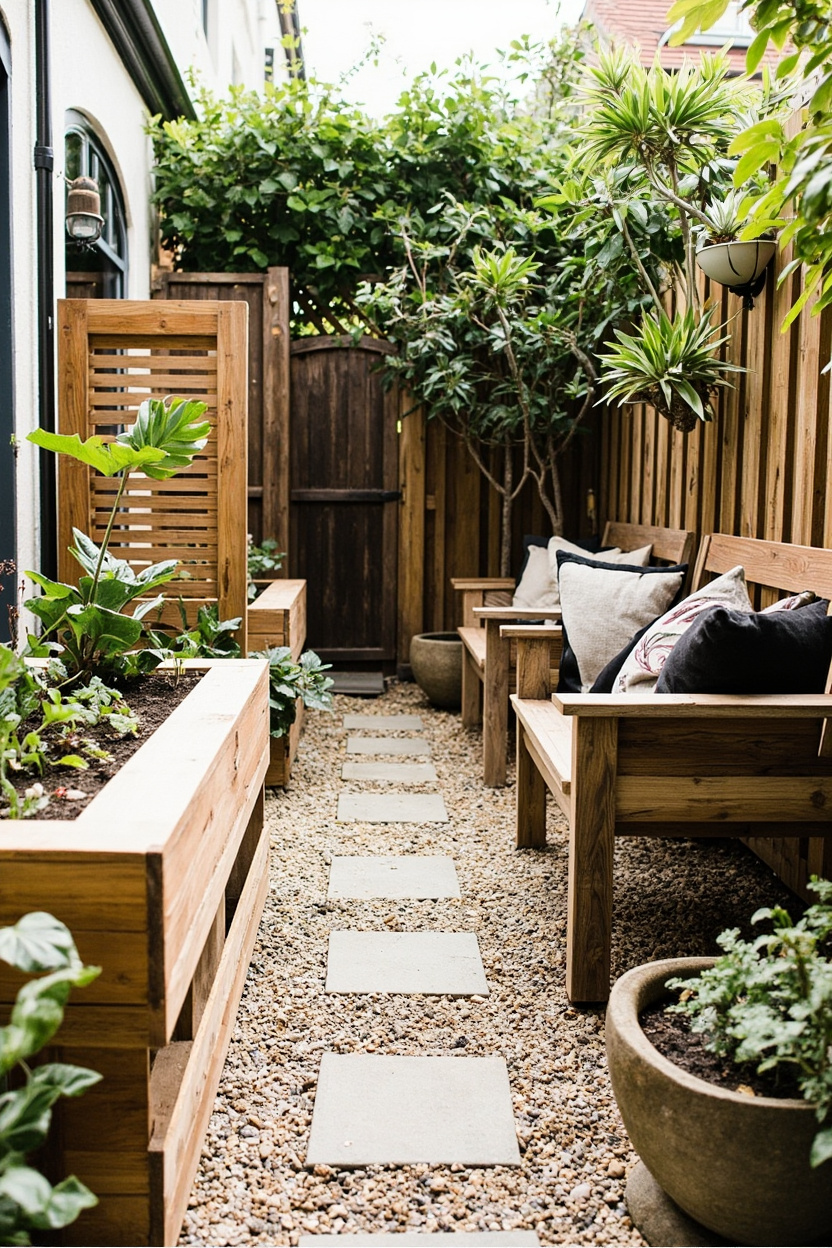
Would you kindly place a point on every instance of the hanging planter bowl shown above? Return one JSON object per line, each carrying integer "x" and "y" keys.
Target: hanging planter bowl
{"x": 739, "y": 265}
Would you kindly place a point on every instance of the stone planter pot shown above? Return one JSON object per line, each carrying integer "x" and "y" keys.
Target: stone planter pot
{"x": 737, "y": 1164}
{"x": 436, "y": 661}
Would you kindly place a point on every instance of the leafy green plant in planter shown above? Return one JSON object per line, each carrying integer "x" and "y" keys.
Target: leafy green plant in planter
{"x": 262, "y": 560}
{"x": 41, "y": 723}
{"x": 769, "y": 1001}
{"x": 42, "y": 946}
{"x": 798, "y": 197}
{"x": 289, "y": 681}
{"x": 214, "y": 639}
{"x": 667, "y": 136}
{"x": 86, "y": 623}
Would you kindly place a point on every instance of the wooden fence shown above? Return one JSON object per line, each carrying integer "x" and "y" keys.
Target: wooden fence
{"x": 761, "y": 468}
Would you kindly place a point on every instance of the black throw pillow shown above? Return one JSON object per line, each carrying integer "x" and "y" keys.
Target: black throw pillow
{"x": 728, "y": 651}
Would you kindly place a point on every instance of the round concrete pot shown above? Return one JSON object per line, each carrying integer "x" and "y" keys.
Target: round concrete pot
{"x": 436, "y": 662}
{"x": 737, "y": 1164}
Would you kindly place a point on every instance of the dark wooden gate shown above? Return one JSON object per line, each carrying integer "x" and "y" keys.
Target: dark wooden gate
{"x": 344, "y": 498}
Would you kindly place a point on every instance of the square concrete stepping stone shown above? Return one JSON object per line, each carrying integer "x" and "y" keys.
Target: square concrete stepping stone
{"x": 392, "y": 808}
{"x": 385, "y": 723}
{"x": 405, "y": 876}
{"x": 413, "y": 1239}
{"x": 404, "y": 773}
{"x": 375, "y": 1110}
{"x": 447, "y": 963}
{"x": 387, "y": 745}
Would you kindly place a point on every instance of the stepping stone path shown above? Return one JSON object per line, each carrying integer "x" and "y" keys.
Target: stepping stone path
{"x": 406, "y": 876}
{"x": 372, "y": 1109}
{"x": 431, "y": 962}
{"x": 406, "y": 773}
{"x": 392, "y": 808}
{"x": 386, "y": 745}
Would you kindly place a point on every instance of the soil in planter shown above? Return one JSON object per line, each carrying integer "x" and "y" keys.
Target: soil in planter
{"x": 151, "y": 700}
{"x": 671, "y": 1035}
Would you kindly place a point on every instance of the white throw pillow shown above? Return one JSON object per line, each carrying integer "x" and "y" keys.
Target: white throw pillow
{"x": 642, "y": 667}
{"x": 536, "y": 588}
{"x": 603, "y": 609}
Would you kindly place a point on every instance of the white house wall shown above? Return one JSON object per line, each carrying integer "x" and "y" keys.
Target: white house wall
{"x": 88, "y": 77}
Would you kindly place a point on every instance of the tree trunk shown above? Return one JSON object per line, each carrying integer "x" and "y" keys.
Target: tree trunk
{"x": 508, "y": 502}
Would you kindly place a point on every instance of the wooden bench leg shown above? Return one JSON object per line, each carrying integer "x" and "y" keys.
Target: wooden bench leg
{"x": 495, "y": 712}
{"x": 471, "y": 691}
{"x": 591, "y": 843}
{"x": 530, "y": 805}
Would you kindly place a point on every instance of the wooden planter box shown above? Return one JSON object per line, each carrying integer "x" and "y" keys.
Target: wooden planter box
{"x": 162, "y": 880}
{"x": 277, "y": 617}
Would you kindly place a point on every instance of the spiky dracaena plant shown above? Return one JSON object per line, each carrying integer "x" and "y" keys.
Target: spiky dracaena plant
{"x": 670, "y": 133}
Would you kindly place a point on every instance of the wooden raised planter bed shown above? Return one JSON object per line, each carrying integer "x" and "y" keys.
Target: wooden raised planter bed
{"x": 162, "y": 880}
{"x": 277, "y": 617}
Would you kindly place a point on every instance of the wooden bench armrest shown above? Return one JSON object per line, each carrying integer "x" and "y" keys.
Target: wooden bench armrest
{"x": 482, "y": 582}
{"x": 695, "y": 705}
{"x": 519, "y": 632}
{"x": 517, "y": 613}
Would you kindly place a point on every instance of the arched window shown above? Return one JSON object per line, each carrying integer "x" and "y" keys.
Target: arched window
{"x": 99, "y": 272}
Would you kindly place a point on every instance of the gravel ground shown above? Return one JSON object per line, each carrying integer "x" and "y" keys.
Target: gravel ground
{"x": 671, "y": 898}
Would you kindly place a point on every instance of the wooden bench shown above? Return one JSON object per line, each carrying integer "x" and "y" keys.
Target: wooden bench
{"x": 488, "y": 656}
{"x": 675, "y": 765}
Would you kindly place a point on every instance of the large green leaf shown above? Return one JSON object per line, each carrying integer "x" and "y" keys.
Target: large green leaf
{"x": 110, "y": 632}
{"x": 38, "y": 942}
{"x": 172, "y": 427}
{"x": 108, "y": 458}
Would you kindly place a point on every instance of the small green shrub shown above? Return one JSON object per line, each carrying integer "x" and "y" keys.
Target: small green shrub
{"x": 289, "y": 681}
{"x": 769, "y": 1001}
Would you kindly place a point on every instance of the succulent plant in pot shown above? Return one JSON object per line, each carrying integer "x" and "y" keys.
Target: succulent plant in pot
{"x": 756, "y": 1169}
{"x": 727, "y": 258}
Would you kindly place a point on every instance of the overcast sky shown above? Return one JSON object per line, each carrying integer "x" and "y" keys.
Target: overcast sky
{"x": 338, "y": 32}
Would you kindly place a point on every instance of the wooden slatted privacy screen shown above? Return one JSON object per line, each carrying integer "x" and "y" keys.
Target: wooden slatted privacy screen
{"x": 267, "y": 298}
{"x": 111, "y": 357}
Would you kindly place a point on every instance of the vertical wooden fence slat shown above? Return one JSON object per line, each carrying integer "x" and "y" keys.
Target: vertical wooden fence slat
{"x": 276, "y": 348}
{"x": 806, "y": 416}
{"x": 411, "y": 573}
{"x": 232, "y": 462}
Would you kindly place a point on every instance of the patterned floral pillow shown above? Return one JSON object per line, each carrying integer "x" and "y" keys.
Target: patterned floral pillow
{"x": 642, "y": 667}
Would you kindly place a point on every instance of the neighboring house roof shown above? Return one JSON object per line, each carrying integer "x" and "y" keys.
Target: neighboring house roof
{"x": 644, "y": 22}
{"x": 135, "y": 33}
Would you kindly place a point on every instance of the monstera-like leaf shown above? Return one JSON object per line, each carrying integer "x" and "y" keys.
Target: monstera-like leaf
{"x": 172, "y": 426}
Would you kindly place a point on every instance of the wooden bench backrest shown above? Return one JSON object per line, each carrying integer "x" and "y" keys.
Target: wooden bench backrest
{"x": 669, "y": 545}
{"x": 112, "y": 355}
{"x": 786, "y": 569}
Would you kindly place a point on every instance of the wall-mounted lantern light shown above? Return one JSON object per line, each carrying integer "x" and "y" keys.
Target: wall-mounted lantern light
{"x": 739, "y": 265}
{"x": 83, "y": 212}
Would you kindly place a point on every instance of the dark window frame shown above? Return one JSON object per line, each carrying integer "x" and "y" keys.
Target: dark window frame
{"x": 112, "y": 248}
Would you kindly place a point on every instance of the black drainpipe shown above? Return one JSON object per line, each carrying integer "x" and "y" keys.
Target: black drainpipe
{"x": 44, "y": 164}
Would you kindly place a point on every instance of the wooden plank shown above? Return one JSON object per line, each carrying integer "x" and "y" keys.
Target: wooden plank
{"x": 495, "y": 705}
{"x": 591, "y": 836}
{"x": 758, "y": 799}
{"x": 782, "y": 566}
{"x": 232, "y": 471}
{"x": 472, "y": 671}
{"x": 277, "y": 617}
{"x": 73, "y": 399}
{"x": 533, "y": 669}
{"x": 113, "y": 317}
{"x": 276, "y": 424}
{"x": 174, "y": 1155}
{"x": 411, "y": 564}
{"x": 694, "y": 705}
{"x": 530, "y": 797}
{"x": 725, "y": 747}
{"x": 806, "y": 424}
{"x": 553, "y": 735}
